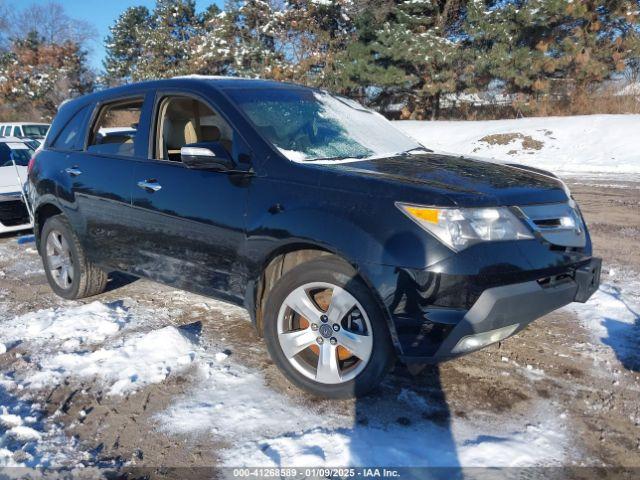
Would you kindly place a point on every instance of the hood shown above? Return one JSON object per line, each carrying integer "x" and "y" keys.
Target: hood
{"x": 9, "y": 179}
{"x": 464, "y": 181}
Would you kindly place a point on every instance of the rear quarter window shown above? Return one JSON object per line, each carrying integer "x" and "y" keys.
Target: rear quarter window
{"x": 72, "y": 135}
{"x": 115, "y": 129}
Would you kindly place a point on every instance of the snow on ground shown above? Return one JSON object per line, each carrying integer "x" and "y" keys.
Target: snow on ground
{"x": 74, "y": 327}
{"x": 578, "y": 144}
{"x": 424, "y": 445}
{"x": 71, "y": 343}
{"x": 136, "y": 361}
{"x": 27, "y": 439}
{"x": 265, "y": 428}
{"x": 613, "y": 316}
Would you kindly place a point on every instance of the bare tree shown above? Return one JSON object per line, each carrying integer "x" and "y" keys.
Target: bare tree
{"x": 51, "y": 22}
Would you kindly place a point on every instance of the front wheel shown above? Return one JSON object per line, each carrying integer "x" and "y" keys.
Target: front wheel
{"x": 325, "y": 331}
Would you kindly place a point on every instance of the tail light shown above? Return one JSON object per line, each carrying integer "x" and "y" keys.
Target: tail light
{"x": 32, "y": 162}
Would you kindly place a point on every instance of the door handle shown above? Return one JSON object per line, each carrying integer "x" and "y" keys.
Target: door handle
{"x": 149, "y": 185}
{"x": 73, "y": 171}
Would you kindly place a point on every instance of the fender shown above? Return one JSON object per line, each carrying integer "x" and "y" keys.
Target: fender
{"x": 336, "y": 220}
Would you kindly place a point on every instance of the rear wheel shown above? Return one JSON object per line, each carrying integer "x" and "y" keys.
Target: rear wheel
{"x": 325, "y": 331}
{"x": 68, "y": 271}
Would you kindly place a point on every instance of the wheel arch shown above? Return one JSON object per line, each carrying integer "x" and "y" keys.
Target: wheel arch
{"x": 285, "y": 258}
{"x": 42, "y": 213}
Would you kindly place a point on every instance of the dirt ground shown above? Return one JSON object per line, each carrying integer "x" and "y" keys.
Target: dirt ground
{"x": 598, "y": 401}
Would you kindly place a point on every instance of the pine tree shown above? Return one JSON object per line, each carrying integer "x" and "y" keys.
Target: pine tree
{"x": 551, "y": 46}
{"x": 165, "y": 41}
{"x": 310, "y": 36}
{"x": 124, "y": 46}
{"x": 409, "y": 53}
{"x": 212, "y": 49}
{"x": 252, "y": 37}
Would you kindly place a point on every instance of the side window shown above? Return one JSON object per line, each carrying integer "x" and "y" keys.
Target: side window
{"x": 184, "y": 121}
{"x": 115, "y": 129}
{"x": 17, "y": 131}
{"x": 71, "y": 138}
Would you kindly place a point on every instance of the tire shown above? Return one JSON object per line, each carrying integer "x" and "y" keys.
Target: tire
{"x": 85, "y": 279}
{"x": 357, "y": 374}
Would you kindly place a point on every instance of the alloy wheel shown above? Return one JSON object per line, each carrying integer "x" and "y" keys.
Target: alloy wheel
{"x": 59, "y": 259}
{"x": 325, "y": 333}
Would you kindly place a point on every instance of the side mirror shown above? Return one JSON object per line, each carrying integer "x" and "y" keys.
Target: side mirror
{"x": 206, "y": 156}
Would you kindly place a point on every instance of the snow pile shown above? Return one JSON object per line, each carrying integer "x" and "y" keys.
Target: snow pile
{"x": 579, "y": 144}
{"x": 140, "y": 360}
{"x": 64, "y": 343}
{"x": 68, "y": 327}
{"x": 264, "y": 428}
{"x": 67, "y": 344}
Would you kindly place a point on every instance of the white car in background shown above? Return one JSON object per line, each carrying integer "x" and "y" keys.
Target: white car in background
{"x": 31, "y": 130}
{"x": 13, "y": 211}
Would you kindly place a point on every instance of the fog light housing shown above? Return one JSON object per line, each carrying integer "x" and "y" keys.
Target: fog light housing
{"x": 479, "y": 340}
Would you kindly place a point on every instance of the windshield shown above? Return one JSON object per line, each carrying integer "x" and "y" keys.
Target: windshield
{"x": 20, "y": 152}
{"x": 35, "y": 130}
{"x": 307, "y": 125}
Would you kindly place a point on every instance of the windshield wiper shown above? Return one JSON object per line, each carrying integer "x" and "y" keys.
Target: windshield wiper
{"x": 424, "y": 149}
{"x": 345, "y": 157}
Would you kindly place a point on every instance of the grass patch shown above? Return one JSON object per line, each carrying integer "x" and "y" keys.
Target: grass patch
{"x": 528, "y": 142}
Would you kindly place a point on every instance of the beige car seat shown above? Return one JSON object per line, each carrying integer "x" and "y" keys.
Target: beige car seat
{"x": 181, "y": 126}
{"x": 211, "y": 133}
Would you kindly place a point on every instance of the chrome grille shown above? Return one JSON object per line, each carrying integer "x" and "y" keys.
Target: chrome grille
{"x": 558, "y": 223}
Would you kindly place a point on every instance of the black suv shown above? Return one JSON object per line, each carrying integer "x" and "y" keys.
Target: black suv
{"x": 349, "y": 243}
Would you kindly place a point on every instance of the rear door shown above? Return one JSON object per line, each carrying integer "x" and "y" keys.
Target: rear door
{"x": 101, "y": 176}
{"x": 190, "y": 223}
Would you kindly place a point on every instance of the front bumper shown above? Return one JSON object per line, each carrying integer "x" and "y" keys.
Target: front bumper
{"x": 504, "y": 311}
{"x": 500, "y": 311}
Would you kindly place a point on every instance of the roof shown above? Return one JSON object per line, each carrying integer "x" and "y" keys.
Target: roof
{"x": 237, "y": 82}
{"x": 219, "y": 82}
{"x": 206, "y": 81}
{"x": 24, "y": 123}
{"x": 13, "y": 140}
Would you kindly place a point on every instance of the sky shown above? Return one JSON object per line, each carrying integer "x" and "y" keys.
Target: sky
{"x": 102, "y": 14}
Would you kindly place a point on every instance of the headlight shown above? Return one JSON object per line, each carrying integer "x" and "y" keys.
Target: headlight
{"x": 459, "y": 228}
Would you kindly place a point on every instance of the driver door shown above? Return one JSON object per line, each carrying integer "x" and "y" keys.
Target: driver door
{"x": 190, "y": 222}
